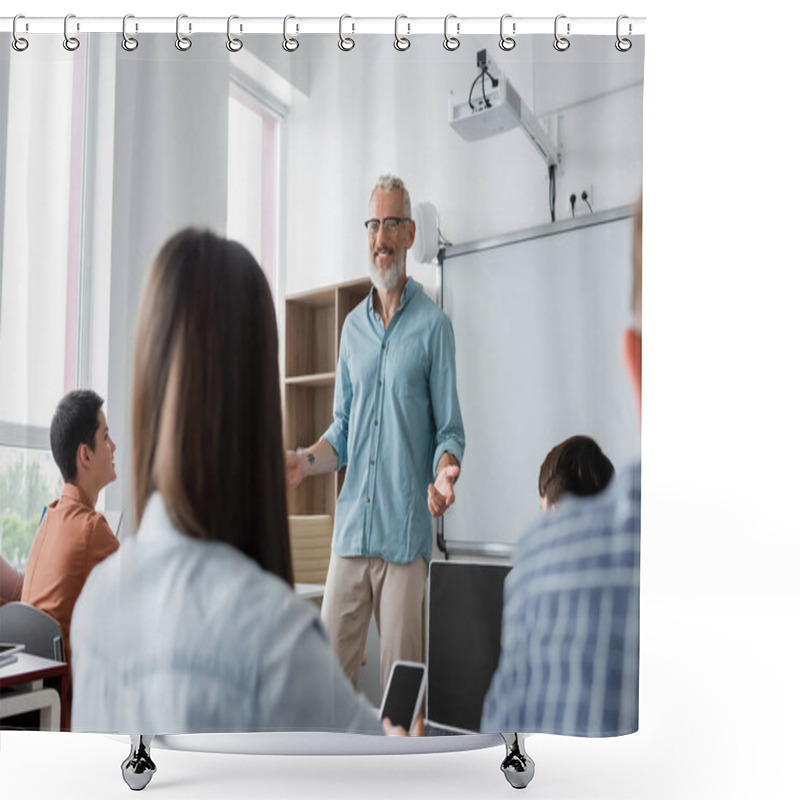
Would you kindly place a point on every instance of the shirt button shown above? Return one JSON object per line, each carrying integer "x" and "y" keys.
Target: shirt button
{"x": 380, "y": 383}
{"x": 368, "y": 499}
{"x": 383, "y": 346}
{"x": 376, "y": 422}
{"x": 372, "y": 461}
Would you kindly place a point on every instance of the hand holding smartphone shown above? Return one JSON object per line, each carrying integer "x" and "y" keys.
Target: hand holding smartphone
{"x": 404, "y": 692}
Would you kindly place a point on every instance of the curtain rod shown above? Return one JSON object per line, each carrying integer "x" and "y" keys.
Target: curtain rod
{"x": 406, "y": 26}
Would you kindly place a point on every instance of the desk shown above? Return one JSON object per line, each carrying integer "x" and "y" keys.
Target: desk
{"x": 22, "y": 689}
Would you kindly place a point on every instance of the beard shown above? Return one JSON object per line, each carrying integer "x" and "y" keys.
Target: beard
{"x": 385, "y": 281}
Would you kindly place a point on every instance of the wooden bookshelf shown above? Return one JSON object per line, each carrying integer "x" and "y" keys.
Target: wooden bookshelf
{"x": 314, "y": 323}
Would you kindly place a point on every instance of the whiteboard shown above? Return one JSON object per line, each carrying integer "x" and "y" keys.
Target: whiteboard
{"x": 538, "y": 321}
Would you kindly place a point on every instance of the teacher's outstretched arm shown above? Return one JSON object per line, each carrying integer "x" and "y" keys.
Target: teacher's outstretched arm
{"x": 315, "y": 460}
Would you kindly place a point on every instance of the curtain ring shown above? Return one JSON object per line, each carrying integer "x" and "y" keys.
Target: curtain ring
{"x": 623, "y": 45}
{"x": 70, "y": 42}
{"x": 128, "y": 43}
{"x": 233, "y": 44}
{"x": 451, "y": 42}
{"x": 289, "y": 44}
{"x": 400, "y": 42}
{"x": 183, "y": 43}
{"x": 19, "y": 43}
{"x": 345, "y": 42}
{"x": 507, "y": 42}
{"x": 561, "y": 43}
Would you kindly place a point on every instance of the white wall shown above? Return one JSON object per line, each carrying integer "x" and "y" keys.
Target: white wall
{"x": 351, "y": 117}
{"x": 168, "y": 132}
{"x": 375, "y": 110}
{"x": 170, "y": 171}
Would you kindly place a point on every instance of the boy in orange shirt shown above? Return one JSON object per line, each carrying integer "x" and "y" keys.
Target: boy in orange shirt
{"x": 73, "y": 538}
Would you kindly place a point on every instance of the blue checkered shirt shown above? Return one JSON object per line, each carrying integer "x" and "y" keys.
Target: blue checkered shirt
{"x": 569, "y": 660}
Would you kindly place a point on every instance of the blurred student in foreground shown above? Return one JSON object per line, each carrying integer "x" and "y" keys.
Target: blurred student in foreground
{"x": 193, "y": 625}
{"x": 569, "y": 660}
{"x": 577, "y": 466}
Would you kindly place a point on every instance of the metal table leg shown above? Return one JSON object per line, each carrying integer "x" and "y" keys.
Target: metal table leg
{"x": 517, "y": 766}
{"x": 138, "y": 768}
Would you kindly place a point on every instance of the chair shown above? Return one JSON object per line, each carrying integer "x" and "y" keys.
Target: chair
{"x": 21, "y": 623}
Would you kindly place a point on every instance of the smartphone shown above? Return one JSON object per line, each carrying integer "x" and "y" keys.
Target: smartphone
{"x": 403, "y": 697}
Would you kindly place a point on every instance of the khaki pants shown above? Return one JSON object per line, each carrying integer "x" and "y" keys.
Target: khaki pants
{"x": 356, "y": 587}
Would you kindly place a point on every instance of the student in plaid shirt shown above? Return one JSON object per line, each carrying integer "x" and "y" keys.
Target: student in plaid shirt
{"x": 569, "y": 660}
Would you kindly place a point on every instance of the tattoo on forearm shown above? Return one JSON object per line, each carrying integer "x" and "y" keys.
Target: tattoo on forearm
{"x": 310, "y": 458}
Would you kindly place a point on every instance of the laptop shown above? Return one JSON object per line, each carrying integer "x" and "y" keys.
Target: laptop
{"x": 465, "y": 609}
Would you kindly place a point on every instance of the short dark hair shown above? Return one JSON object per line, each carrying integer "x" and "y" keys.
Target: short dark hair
{"x": 206, "y": 392}
{"x": 75, "y": 423}
{"x": 576, "y": 466}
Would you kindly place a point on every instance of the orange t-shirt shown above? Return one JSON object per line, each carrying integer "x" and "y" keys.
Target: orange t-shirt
{"x": 72, "y": 539}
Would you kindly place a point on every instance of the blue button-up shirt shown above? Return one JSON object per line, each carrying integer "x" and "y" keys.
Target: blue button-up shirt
{"x": 395, "y": 413}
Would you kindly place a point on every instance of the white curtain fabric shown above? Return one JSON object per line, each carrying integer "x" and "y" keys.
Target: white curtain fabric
{"x": 280, "y": 150}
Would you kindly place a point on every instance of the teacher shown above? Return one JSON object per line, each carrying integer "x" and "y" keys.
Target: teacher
{"x": 397, "y": 427}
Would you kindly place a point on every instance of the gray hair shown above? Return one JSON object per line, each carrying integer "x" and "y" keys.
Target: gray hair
{"x": 388, "y": 183}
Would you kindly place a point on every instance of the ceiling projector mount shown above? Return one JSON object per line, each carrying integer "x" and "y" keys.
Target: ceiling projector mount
{"x": 494, "y": 106}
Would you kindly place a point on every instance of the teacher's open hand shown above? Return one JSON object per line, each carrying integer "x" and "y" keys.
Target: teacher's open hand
{"x": 441, "y": 494}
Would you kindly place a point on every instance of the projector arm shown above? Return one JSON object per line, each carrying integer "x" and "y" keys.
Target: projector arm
{"x": 538, "y": 135}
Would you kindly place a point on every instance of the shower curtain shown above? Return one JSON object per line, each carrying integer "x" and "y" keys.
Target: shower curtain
{"x": 107, "y": 151}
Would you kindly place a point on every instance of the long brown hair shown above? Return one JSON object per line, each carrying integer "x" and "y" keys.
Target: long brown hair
{"x": 206, "y": 398}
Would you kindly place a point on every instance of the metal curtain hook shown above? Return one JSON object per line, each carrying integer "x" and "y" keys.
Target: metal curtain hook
{"x": 400, "y": 42}
{"x": 128, "y": 43}
{"x": 289, "y": 44}
{"x": 233, "y": 44}
{"x": 70, "y": 42}
{"x": 623, "y": 45}
{"x": 345, "y": 42}
{"x": 507, "y": 42}
{"x": 451, "y": 42}
{"x": 183, "y": 43}
{"x": 561, "y": 43}
{"x": 19, "y": 43}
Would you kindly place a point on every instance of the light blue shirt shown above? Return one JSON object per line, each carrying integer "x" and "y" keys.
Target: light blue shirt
{"x": 176, "y": 635}
{"x": 569, "y": 659}
{"x": 395, "y": 413}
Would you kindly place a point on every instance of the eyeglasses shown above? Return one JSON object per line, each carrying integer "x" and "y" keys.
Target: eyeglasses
{"x": 389, "y": 224}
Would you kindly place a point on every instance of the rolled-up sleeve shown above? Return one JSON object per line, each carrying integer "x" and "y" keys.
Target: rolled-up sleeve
{"x": 336, "y": 435}
{"x": 444, "y": 395}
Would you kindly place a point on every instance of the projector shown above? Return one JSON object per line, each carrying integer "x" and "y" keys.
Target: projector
{"x": 502, "y": 113}
{"x": 497, "y": 108}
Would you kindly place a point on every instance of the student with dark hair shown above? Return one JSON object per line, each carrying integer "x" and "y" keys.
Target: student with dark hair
{"x": 73, "y": 538}
{"x": 193, "y": 625}
{"x": 576, "y": 466}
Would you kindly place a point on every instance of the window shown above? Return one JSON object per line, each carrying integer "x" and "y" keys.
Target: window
{"x": 40, "y": 282}
{"x": 252, "y": 147}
